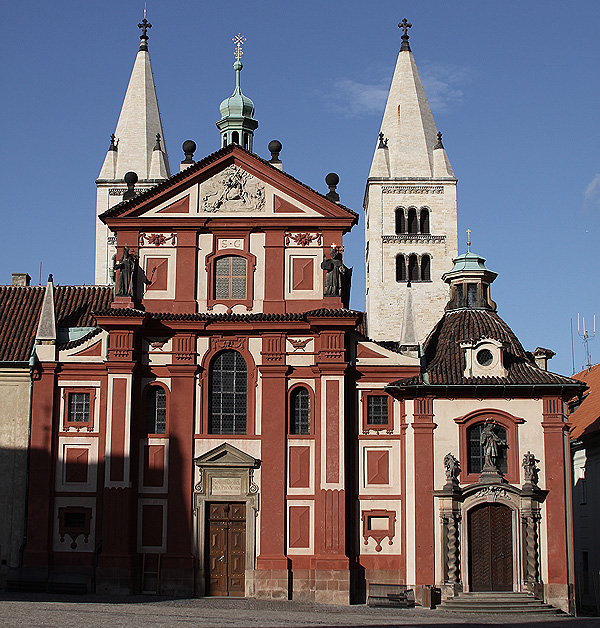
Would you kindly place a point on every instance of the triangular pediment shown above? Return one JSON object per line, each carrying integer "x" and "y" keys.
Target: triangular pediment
{"x": 226, "y": 455}
{"x": 230, "y": 183}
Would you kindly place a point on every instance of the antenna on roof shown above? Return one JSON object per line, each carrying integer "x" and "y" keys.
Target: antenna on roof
{"x": 572, "y": 348}
{"x": 40, "y": 281}
{"x": 585, "y": 336}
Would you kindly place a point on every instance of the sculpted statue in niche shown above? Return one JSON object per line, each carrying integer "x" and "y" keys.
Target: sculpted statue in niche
{"x": 126, "y": 267}
{"x": 337, "y": 277}
{"x": 490, "y": 441}
{"x": 233, "y": 190}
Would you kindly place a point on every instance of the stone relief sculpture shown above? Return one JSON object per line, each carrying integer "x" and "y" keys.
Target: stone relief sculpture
{"x": 233, "y": 190}
{"x": 126, "y": 267}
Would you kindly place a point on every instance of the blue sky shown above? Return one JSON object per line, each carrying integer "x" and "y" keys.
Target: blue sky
{"x": 513, "y": 87}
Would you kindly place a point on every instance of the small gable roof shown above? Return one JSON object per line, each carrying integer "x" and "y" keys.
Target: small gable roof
{"x": 20, "y": 308}
{"x": 214, "y": 163}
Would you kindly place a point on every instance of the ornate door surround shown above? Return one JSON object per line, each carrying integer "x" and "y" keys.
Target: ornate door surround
{"x": 224, "y": 474}
{"x": 455, "y": 504}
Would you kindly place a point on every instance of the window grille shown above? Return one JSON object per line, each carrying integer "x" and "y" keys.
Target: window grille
{"x": 228, "y": 384}
{"x": 79, "y": 407}
{"x": 300, "y": 404}
{"x": 230, "y": 277}
{"x": 156, "y": 410}
{"x": 377, "y": 410}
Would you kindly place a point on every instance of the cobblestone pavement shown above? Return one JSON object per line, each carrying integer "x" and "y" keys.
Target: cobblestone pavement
{"x": 30, "y": 610}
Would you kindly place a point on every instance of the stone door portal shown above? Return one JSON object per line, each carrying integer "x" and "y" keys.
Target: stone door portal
{"x": 490, "y": 548}
{"x": 226, "y": 549}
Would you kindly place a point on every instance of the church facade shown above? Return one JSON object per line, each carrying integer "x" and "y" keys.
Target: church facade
{"x": 221, "y": 423}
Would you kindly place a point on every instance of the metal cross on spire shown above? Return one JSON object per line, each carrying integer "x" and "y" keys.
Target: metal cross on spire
{"x": 144, "y": 25}
{"x": 405, "y": 25}
{"x": 238, "y": 40}
{"x": 469, "y": 240}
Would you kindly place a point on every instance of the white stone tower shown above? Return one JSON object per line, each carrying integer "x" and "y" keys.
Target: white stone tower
{"x": 137, "y": 145}
{"x": 410, "y": 208}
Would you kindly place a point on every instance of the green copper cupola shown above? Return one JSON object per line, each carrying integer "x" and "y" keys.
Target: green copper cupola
{"x": 237, "y": 124}
{"x": 470, "y": 282}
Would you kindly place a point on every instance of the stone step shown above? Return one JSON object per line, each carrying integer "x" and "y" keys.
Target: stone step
{"x": 497, "y": 602}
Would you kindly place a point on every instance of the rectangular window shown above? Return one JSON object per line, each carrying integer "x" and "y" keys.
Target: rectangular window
{"x": 377, "y": 410}
{"x": 79, "y": 407}
{"x": 230, "y": 277}
{"x": 471, "y": 295}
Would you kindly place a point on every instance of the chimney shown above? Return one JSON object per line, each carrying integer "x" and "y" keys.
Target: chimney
{"x": 20, "y": 279}
{"x": 541, "y": 357}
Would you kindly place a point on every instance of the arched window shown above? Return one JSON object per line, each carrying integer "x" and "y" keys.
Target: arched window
{"x": 300, "y": 411}
{"x": 413, "y": 224}
{"x": 413, "y": 268}
{"x": 156, "y": 410}
{"x": 400, "y": 221}
{"x": 475, "y": 450}
{"x": 424, "y": 220}
{"x": 228, "y": 387}
{"x": 425, "y": 268}
{"x": 230, "y": 277}
{"x": 235, "y": 138}
{"x": 400, "y": 268}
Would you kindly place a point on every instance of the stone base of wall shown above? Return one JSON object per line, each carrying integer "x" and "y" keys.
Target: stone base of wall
{"x": 177, "y": 582}
{"x": 325, "y": 586}
{"x": 114, "y": 580}
{"x": 560, "y": 596}
{"x": 270, "y": 584}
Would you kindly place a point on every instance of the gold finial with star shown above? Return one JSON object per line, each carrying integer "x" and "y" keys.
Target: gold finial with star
{"x": 238, "y": 40}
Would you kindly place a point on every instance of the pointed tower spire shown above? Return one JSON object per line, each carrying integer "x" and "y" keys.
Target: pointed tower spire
{"x": 410, "y": 206}
{"x": 133, "y": 148}
{"x": 45, "y": 338}
{"x": 237, "y": 124}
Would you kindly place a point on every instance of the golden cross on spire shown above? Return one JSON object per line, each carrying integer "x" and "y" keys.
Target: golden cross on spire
{"x": 238, "y": 40}
{"x": 469, "y": 240}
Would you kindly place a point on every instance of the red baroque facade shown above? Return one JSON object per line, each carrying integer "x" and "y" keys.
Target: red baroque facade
{"x": 227, "y": 430}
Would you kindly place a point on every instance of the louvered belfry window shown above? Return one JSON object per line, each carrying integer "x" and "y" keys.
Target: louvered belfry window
{"x": 228, "y": 386}
{"x": 230, "y": 277}
{"x": 300, "y": 403}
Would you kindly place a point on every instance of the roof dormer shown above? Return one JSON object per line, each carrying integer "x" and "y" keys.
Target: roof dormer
{"x": 484, "y": 358}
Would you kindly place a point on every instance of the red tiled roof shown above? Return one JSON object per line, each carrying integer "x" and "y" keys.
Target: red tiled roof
{"x": 123, "y": 206}
{"x": 586, "y": 418}
{"x": 209, "y": 316}
{"x": 20, "y": 308}
{"x": 445, "y": 359}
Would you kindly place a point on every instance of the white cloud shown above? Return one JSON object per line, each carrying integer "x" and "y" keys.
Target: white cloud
{"x": 354, "y": 98}
{"x": 443, "y": 86}
{"x": 591, "y": 195}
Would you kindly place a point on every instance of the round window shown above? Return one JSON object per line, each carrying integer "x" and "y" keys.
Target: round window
{"x": 485, "y": 357}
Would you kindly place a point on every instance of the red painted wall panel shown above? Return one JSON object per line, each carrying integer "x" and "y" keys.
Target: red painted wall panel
{"x": 76, "y": 464}
{"x": 299, "y": 526}
{"x": 299, "y": 467}
{"x": 332, "y": 388}
{"x": 152, "y": 525}
{"x": 117, "y": 439}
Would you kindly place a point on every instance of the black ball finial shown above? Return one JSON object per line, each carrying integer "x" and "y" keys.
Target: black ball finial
{"x": 332, "y": 180}
{"x": 275, "y": 148}
{"x": 131, "y": 179}
{"x": 189, "y": 148}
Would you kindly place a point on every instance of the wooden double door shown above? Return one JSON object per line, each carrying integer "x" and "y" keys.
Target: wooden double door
{"x": 226, "y": 548}
{"x": 490, "y": 528}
